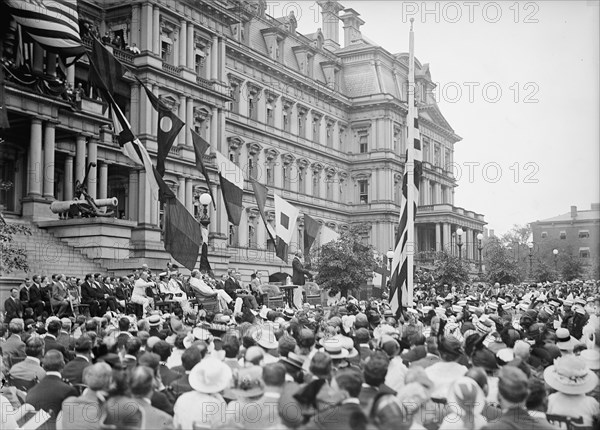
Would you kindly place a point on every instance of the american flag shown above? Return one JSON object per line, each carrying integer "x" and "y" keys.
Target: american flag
{"x": 54, "y": 24}
{"x": 401, "y": 284}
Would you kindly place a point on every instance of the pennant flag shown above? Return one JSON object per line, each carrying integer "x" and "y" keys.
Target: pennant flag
{"x": 311, "y": 231}
{"x": 107, "y": 70}
{"x": 285, "y": 222}
{"x": 200, "y": 148}
{"x": 401, "y": 283}
{"x": 281, "y": 249}
{"x": 169, "y": 126}
{"x": 232, "y": 186}
{"x": 182, "y": 233}
{"x": 328, "y": 235}
{"x": 260, "y": 194}
{"x": 285, "y": 219}
{"x": 53, "y": 24}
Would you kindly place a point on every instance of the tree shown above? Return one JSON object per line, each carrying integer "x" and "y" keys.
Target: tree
{"x": 346, "y": 263}
{"x": 12, "y": 256}
{"x": 571, "y": 267}
{"x": 517, "y": 234}
{"x": 501, "y": 265}
{"x": 543, "y": 272}
{"x": 450, "y": 270}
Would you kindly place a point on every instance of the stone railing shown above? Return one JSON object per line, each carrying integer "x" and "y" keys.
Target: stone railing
{"x": 124, "y": 56}
{"x": 173, "y": 70}
{"x": 204, "y": 82}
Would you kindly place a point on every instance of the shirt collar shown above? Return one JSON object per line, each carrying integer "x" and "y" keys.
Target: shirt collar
{"x": 82, "y": 356}
{"x": 52, "y": 373}
{"x": 50, "y": 336}
{"x": 34, "y": 359}
{"x": 351, "y": 400}
{"x": 273, "y": 394}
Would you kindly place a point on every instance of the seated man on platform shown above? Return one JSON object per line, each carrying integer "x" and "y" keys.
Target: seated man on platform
{"x": 245, "y": 293}
{"x": 256, "y": 287}
{"x": 93, "y": 295}
{"x": 175, "y": 289}
{"x": 139, "y": 295}
{"x": 202, "y": 289}
{"x": 60, "y": 296}
{"x": 31, "y": 297}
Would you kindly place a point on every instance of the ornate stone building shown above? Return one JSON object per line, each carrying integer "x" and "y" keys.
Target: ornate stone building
{"x": 319, "y": 120}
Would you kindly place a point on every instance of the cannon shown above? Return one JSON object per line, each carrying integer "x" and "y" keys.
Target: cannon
{"x": 84, "y": 205}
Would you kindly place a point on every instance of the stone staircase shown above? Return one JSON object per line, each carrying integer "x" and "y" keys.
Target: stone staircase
{"x": 47, "y": 254}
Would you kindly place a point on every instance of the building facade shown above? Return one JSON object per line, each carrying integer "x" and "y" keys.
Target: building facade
{"x": 575, "y": 233}
{"x": 318, "y": 118}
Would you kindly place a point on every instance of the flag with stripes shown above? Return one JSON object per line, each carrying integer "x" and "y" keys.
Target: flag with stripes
{"x": 401, "y": 282}
{"x": 54, "y": 24}
{"x": 231, "y": 178}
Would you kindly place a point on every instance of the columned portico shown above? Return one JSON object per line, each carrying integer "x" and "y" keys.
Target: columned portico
{"x": 49, "y": 148}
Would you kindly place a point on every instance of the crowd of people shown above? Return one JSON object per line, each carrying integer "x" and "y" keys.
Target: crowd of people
{"x": 472, "y": 357}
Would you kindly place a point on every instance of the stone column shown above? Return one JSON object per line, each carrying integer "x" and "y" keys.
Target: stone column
{"x": 71, "y": 75}
{"x": 132, "y": 195}
{"x": 156, "y": 30}
{"x": 222, "y": 132}
{"x": 189, "y": 115}
{"x": 142, "y": 214}
{"x": 103, "y": 180}
{"x": 189, "y": 195}
{"x": 154, "y": 130}
{"x": 134, "y": 37}
{"x": 438, "y": 237}
{"x": 176, "y": 48}
{"x": 34, "y": 184}
{"x": 214, "y": 58}
{"x": 80, "y": 158}
{"x": 214, "y": 127}
{"x": 49, "y": 148}
{"x": 146, "y": 26}
{"x": 243, "y": 230}
{"x": 190, "y": 46}
{"x": 181, "y": 114}
{"x": 181, "y": 189}
{"x": 222, "y": 57}
{"x": 446, "y": 241}
{"x": 183, "y": 41}
{"x": 68, "y": 182}
{"x": 92, "y": 182}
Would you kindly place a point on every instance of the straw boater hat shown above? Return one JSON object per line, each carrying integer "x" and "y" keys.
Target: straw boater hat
{"x": 591, "y": 358}
{"x": 570, "y": 375}
{"x": 335, "y": 349}
{"x": 210, "y": 376}
{"x": 564, "y": 340}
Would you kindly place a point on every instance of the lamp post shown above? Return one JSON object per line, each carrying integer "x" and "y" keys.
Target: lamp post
{"x": 555, "y": 252}
{"x": 459, "y": 243}
{"x": 390, "y": 257}
{"x": 205, "y": 200}
{"x": 530, "y": 246}
{"x": 480, "y": 248}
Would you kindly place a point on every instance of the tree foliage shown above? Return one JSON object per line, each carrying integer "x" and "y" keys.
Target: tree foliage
{"x": 501, "y": 265}
{"x": 570, "y": 267}
{"x": 346, "y": 263}
{"x": 543, "y": 272}
{"x": 12, "y": 256}
{"x": 517, "y": 234}
{"x": 450, "y": 270}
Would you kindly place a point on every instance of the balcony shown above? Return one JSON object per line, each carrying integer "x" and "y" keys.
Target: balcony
{"x": 173, "y": 70}
{"x": 205, "y": 83}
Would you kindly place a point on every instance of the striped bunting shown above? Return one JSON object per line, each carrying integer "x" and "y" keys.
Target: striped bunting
{"x": 54, "y": 24}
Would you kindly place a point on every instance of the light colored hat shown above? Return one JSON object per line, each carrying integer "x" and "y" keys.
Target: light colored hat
{"x": 335, "y": 349}
{"x": 564, "y": 340}
{"x": 263, "y": 312}
{"x": 456, "y": 308}
{"x": 501, "y": 301}
{"x": 591, "y": 358}
{"x": 210, "y": 376}
{"x": 570, "y": 375}
{"x": 154, "y": 320}
{"x": 464, "y": 392}
{"x": 493, "y": 306}
{"x": 265, "y": 337}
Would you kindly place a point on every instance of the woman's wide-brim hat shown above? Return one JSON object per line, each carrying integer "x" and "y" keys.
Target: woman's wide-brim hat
{"x": 210, "y": 376}
{"x": 570, "y": 375}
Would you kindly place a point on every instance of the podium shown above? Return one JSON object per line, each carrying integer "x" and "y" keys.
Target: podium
{"x": 293, "y": 295}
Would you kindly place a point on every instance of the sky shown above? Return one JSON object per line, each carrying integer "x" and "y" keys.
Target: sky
{"x": 518, "y": 81}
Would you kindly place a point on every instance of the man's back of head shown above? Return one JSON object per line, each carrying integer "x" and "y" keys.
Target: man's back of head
{"x": 34, "y": 347}
{"x": 53, "y": 361}
{"x": 141, "y": 381}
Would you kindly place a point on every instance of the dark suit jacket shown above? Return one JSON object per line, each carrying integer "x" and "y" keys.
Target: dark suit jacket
{"x": 13, "y": 347}
{"x": 59, "y": 294}
{"x": 50, "y": 343}
{"x": 298, "y": 272}
{"x": 518, "y": 418}
{"x": 49, "y": 395}
{"x": 73, "y": 371}
{"x": 35, "y": 295}
{"x": 181, "y": 385}
{"x": 89, "y": 293}
{"x": 344, "y": 416}
{"x": 230, "y": 286}
{"x": 13, "y": 308}
{"x": 167, "y": 375}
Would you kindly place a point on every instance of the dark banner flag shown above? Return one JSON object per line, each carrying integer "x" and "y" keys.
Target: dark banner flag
{"x": 200, "y": 148}
{"x": 311, "y": 230}
{"x": 169, "y": 126}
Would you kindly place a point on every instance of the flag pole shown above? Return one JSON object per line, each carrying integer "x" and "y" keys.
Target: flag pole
{"x": 410, "y": 171}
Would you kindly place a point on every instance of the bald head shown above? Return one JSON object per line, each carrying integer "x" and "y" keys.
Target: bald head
{"x": 97, "y": 376}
